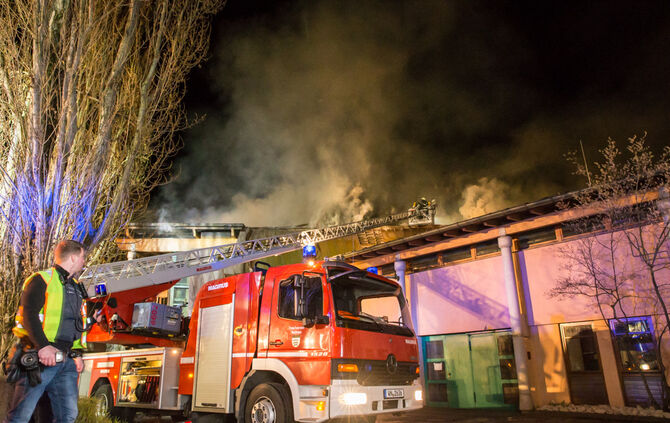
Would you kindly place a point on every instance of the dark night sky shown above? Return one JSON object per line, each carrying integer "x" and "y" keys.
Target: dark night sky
{"x": 321, "y": 111}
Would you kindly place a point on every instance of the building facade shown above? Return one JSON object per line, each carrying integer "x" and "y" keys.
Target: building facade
{"x": 494, "y": 330}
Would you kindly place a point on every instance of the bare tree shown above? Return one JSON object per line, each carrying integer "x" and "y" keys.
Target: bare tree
{"x": 625, "y": 214}
{"x": 90, "y": 97}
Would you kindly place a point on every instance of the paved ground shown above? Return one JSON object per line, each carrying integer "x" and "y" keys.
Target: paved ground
{"x": 446, "y": 415}
{"x": 435, "y": 415}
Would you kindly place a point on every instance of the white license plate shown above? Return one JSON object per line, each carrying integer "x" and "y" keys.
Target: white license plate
{"x": 393, "y": 393}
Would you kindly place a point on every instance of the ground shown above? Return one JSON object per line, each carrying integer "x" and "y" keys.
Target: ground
{"x": 447, "y": 415}
{"x": 434, "y": 415}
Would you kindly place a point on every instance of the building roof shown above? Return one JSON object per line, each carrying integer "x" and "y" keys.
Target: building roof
{"x": 486, "y": 227}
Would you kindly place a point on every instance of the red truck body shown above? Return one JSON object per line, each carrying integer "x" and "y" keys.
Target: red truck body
{"x": 320, "y": 342}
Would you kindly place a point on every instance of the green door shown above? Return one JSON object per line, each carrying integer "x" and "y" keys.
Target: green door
{"x": 434, "y": 371}
{"x": 486, "y": 370}
{"x": 465, "y": 371}
{"x": 459, "y": 371}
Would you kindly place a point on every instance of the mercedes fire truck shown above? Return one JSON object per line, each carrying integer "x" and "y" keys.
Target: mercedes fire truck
{"x": 308, "y": 342}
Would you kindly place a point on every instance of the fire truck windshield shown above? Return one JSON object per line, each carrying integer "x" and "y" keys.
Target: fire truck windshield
{"x": 366, "y": 303}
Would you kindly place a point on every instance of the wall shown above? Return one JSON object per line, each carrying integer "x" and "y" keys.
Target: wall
{"x": 461, "y": 298}
{"x": 546, "y": 368}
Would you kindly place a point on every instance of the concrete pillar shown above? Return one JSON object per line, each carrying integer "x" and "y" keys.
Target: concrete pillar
{"x": 400, "y": 266}
{"x": 132, "y": 252}
{"x": 505, "y": 245}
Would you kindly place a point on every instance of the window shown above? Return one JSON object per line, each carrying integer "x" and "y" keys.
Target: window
{"x": 387, "y": 308}
{"x": 456, "y": 254}
{"x": 424, "y": 262}
{"x": 581, "y": 348}
{"x": 366, "y": 303}
{"x": 436, "y": 370}
{"x": 582, "y": 226}
{"x": 290, "y": 293}
{"x": 434, "y": 349}
{"x": 635, "y": 342}
{"x": 506, "y": 357}
{"x": 388, "y": 271}
{"x": 539, "y": 236}
{"x": 178, "y": 295}
{"x": 437, "y": 392}
{"x": 486, "y": 248}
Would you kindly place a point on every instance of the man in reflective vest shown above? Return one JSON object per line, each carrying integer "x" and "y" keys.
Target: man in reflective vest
{"x": 51, "y": 319}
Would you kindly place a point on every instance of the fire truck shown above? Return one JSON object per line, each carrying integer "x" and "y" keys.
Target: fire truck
{"x": 312, "y": 341}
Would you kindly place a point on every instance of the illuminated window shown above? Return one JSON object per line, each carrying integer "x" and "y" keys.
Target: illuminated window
{"x": 636, "y": 344}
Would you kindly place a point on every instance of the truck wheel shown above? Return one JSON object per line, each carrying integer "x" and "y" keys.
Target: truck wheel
{"x": 105, "y": 399}
{"x": 268, "y": 403}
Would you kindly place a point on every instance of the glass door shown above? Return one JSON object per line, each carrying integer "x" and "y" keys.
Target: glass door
{"x": 582, "y": 357}
{"x": 434, "y": 369}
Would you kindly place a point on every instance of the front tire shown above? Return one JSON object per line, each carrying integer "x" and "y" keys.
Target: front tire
{"x": 268, "y": 403}
{"x": 105, "y": 398}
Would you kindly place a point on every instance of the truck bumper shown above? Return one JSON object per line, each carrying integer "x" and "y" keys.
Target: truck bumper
{"x": 348, "y": 398}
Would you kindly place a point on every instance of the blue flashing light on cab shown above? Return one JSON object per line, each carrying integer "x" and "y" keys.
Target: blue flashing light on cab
{"x": 309, "y": 254}
{"x": 309, "y": 251}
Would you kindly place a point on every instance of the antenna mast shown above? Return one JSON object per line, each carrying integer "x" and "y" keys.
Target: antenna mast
{"x": 586, "y": 165}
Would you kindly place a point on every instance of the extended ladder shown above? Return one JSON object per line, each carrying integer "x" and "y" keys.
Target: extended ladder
{"x": 154, "y": 270}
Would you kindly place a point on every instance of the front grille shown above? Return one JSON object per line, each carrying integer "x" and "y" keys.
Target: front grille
{"x": 389, "y": 404}
{"x": 376, "y": 373}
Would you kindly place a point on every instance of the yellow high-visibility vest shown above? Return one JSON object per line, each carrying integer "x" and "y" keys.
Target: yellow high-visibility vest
{"x": 51, "y": 312}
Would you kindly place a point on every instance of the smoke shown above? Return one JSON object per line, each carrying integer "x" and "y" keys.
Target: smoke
{"x": 323, "y": 112}
{"x": 487, "y": 196}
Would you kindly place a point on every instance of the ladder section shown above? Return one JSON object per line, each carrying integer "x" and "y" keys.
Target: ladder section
{"x": 154, "y": 270}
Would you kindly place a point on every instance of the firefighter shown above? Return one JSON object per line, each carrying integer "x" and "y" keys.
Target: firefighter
{"x": 50, "y": 325}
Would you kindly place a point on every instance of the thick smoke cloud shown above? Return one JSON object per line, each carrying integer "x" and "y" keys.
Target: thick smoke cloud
{"x": 323, "y": 112}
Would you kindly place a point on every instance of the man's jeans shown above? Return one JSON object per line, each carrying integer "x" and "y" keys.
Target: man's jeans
{"x": 60, "y": 382}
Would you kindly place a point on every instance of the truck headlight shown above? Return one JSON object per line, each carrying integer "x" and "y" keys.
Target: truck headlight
{"x": 418, "y": 395}
{"x": 353, "y": 398}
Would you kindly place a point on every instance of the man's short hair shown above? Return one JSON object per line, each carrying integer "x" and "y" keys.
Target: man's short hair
{"x": 67, "y": 248}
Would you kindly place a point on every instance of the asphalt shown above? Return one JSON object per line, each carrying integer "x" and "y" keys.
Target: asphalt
{"x": 435, "y": 415}
{"x": 448, "y": 415}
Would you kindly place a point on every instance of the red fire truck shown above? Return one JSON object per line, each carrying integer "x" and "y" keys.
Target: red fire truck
{"x": 304, "y": 342}
{"x": 295, "y": 342}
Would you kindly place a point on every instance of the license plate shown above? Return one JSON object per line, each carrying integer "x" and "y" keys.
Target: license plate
{"x": 393, "y": 393}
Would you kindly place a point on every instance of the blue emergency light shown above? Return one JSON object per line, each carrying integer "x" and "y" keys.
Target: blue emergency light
{"x": 309, "y": 252}
{"x": 100, "y": 289}
{"x": 373, "y": 270}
